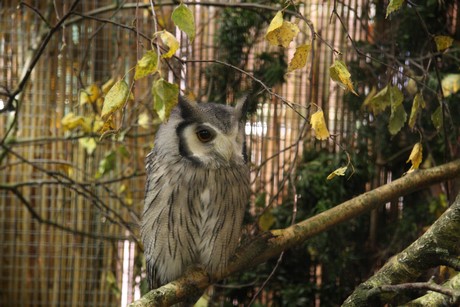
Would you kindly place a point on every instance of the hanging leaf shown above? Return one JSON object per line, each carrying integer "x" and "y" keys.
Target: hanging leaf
{"x": 415, "y": 157}
{"x": 450, "y": 84}
{"x": 276, "y": 22}
{"x": 338, "y": 172}
{"x": 443, "y": 42}
{"x": 368, "y": 99}
{"x": 71, "y": 121}
{"x": 183, "y": 18}
{"x": 281, "y": 32}
{"x": 394, "y": 5}
{"x": 300, "y": 57}
{"x": 411, "y": 86}
{"x": 436, "y": 118}
{"x": 106, "y": 165}
{"x": 339, "y": 73}
{"x": 147, "y": 65}
{"x": 90, "y": 94}
{"x": 398, "y": 114}
{"x": 170, "y": 41}
{"x": 319, "y": 125}
{"x": 89, "y": 144}
{"x": 417, "y": 105}
{"x": 144, "y": 120}
{"x": 165, "y": 97}
{"x": 378, "y": 102}
{"x": 266, "y": 220}
{"x": 107, "y": 125}
{"x": 397, "y": 119}
{"x": 115, "y": 99}
{"x": 108, "y": 85}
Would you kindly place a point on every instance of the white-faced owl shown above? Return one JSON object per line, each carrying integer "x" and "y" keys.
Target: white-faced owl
{"x": 196, "y": 191}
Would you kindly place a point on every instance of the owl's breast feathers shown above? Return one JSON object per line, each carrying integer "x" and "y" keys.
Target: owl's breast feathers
{"x": 192, "y": 215}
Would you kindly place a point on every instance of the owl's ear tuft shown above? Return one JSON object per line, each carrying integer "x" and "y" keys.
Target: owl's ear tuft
{"x": 241, "y": 108}
{"x": 188, "y": 108}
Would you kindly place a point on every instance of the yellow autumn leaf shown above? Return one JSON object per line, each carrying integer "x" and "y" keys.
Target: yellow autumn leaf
{"x": 450, "y": 84}
{"x": 340, "y": 74}
{"x": 319, "y": 125}
{"x": 115, "y": 99}
{"x": 281, "y": 32}
{"x": 338, "y": 172}
{"x": 183, "y": 18}
{"x": 144, "y": 120}
{"x": 266, "y": 220}
{"x": 107, "y": 85}
{"x": 90, "y": 94}
{"x": 147, "y": 65}
{"x": 300, "y": 57}
{"x": 169, "y": 40}
{"x": 107, "y": 125}
{"x": 443, "y": 42}
{"x": 276, "y": 22}
{"x": 394, "y": 5}
{"x": 415, "y": 156}
{"x": 71, "y": 121}
{"x": 89, "y": 144}
{"x": 126, "y": 192}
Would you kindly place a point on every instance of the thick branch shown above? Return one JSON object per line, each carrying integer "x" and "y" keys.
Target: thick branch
{"x": 271, "y": 244}
{"x": 439, "y": 299}
{"x": 428, "y": 251}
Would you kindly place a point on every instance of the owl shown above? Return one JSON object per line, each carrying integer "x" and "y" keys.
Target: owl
{"x": 196, "y": 191}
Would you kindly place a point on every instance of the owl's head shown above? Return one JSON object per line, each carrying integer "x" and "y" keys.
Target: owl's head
{"x": 209, "y": 134}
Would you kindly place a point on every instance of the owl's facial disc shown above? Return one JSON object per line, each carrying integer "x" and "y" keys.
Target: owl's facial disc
{"x": 207, "y": 145}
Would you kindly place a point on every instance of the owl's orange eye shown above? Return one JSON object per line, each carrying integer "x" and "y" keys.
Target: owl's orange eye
{"x": 204, "y": 135}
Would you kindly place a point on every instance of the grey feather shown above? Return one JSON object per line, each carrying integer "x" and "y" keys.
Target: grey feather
{"x": 196, "y": 192}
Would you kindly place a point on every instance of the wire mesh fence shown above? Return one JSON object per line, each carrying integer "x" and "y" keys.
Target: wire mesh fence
{"x": 68, "y": 222}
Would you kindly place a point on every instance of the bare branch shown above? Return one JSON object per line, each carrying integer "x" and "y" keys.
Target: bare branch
{"x": 271, "y": 244}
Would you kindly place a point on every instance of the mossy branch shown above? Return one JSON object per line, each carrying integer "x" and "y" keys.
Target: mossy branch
{"x": 430, "y": 250}
{"x": 271, "y": 244}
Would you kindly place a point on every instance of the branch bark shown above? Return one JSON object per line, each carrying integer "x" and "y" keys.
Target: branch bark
{"x": 428, "y": 251}
{"x": 272, "y": 243}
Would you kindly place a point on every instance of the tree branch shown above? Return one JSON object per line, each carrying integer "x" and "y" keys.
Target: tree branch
{"x": 426, "y": 252}
{"x": 271, "y": 244}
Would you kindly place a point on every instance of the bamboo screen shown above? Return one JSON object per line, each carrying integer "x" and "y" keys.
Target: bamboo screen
{"x": 67, "y": 230}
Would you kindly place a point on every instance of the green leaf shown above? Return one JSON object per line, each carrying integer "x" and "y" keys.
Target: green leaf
{"x": 147, "y": 65}
{"x": 397, "y": 119}
{"x": 417, "y": 105}
{"x": 378, "y": 102}
{"x": 260, "y": 200}
{"x": 436, "y": 118}
{"x": 106, "y": 165}
{"x": 266, "y": 220}
{"x": 165, "y": 97}
{"x": 183, "y": 18}
{"x": 115, "y": 99}
{"x": 388, "y": 96}
{"x": 398, "y": 114}
{"x": 394, "y": 5}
